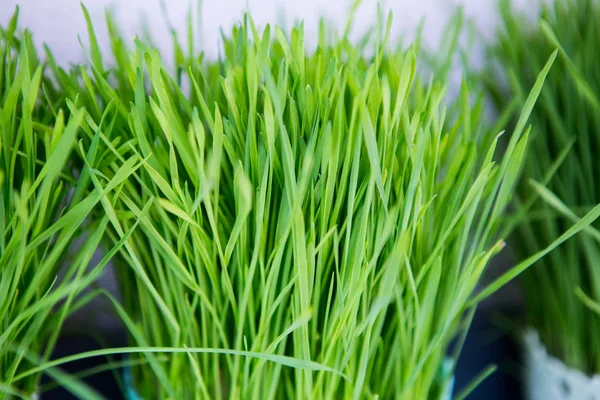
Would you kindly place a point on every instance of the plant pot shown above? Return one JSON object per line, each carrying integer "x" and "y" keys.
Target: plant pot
{"x": 446, "y": 379}
{"x": 130, "y": 391}
{"x": 548, "y": 378}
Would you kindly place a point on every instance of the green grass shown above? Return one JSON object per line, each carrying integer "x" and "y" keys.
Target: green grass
{"x": 43, "y": 210}
{"x": 316, "y": 206}
{"x": 292, "y": 225}
{"x": 564, "y": 154}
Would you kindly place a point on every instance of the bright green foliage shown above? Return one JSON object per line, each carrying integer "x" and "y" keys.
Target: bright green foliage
{"x": 564, "y": 155}
{"x": 43, "y": 206}
{"x": 318, "y": 206}
{"x": 311, "y": 225}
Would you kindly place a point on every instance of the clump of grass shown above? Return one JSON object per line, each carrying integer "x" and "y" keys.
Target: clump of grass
{"x": 315, "y": 211}
{"x": 564, "y": 155}
{"x": 43, "y": 206}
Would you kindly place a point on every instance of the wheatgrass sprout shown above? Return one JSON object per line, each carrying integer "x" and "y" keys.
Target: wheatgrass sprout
{"x": 43, "y": 208}
{"x": 563, "y": 154}
{"x": 317, "y": 225}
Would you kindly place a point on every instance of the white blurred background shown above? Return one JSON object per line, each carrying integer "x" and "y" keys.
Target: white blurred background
{"x": 59, "y": 22}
